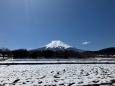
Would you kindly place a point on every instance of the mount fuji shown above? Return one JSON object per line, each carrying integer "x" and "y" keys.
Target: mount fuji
{"x": 59, "y": 45}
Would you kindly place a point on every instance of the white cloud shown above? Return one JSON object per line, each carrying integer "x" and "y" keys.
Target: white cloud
{"x": 29, "y": 48}
{"x": 86, "y": 43}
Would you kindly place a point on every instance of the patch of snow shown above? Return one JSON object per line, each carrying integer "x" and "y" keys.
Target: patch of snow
{"x": 59, "y": 75}
{"x": 57, "y": 44}
{"x": 74, "y": 61}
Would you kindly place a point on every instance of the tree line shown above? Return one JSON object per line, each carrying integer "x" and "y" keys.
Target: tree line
{"x": 24, "y": 53}
{"x": 5, "y": 52}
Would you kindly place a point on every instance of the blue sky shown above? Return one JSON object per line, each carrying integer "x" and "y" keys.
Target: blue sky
{"x": 84, "y": 24}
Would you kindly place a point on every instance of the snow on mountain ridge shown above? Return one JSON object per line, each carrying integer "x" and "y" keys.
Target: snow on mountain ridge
{"x": 57, "y": 44}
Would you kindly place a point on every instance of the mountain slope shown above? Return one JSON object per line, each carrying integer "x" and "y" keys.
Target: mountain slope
{"x": 59, "y": 45}
{"x": 106, "y": 51}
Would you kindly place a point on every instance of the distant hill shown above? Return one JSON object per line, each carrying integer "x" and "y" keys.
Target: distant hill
{"x": 106, "y": 51}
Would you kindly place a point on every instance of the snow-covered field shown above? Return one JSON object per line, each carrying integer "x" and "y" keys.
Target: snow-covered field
{"x": 56, "y": 75}
{"x": 62, "y": 61}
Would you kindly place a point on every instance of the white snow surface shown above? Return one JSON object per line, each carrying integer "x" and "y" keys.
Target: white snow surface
{"x": 57, "y": 75}
{"x": 57, "y": 44}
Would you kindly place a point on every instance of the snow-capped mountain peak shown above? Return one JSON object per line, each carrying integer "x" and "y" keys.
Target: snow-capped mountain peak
{"x": 57, "y": 44}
